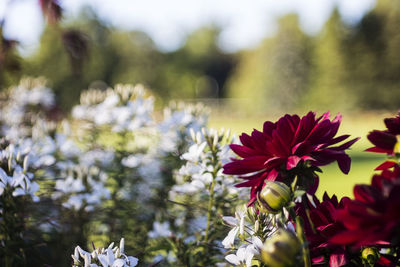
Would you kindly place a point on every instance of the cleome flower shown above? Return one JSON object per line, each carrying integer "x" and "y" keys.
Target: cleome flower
{"x": 385, "y": 141}
{"x": 284, "y": 148}
{"x": 104, "y": 257}
{"x": 373, "y": 217}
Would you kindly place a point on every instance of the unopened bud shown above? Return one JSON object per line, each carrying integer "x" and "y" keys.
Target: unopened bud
{"x": 256, "y": 226}
{"x": 281, "y": 249}
{"x": 122, "y": 246}
{"x": 274, "y": 196}
{"x": 370, "y": 255}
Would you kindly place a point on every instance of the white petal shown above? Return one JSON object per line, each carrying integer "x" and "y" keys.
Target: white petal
{"x": 132, "y": 261}
{"x": 257, "y": 242}
{"x": 119, "y": 263}
{"x": 230, "y": 220}
{"x": 110, "y": 256}
{"x": 241, "y": 253}
{"x": 230, "y": 238}
{"x": 233, "y": 259}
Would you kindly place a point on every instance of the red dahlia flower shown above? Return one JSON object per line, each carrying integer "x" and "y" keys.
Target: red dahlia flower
{"x": 291, "y": 142}
{"x": 373, "y": 217}
{"x": 386, "y": 140}
{"x": 320, "y": 225}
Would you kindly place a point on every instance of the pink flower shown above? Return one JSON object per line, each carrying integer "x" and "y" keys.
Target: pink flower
{"x": 291, "y": 146}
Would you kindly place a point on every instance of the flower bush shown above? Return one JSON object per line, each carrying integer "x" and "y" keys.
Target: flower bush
{"x": 180, "y": 193}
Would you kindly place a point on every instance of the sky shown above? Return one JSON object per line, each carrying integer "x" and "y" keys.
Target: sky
{"x": 244, "y": 23}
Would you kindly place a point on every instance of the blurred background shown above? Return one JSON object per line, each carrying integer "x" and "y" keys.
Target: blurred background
{"x": 249, "y": 61}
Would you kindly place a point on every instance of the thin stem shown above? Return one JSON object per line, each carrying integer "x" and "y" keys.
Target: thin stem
{"x": 210, "y": 206}
{"x": 215, "y": 163}
{"x": 302, "y": 238}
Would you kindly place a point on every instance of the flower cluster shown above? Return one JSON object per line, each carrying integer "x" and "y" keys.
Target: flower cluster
{"x": 201, "y": 166}
{"x": 14, "y": 171}
{"x": 23, "y": 106}
{"x": 179, "y": 120}
{"x": 114, "y": 169}
{"x": 104, "y": 257}
{"x": 125, "y": 108}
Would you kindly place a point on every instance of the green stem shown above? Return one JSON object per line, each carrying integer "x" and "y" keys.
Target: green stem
{"x": 302, "y": 238}
{"x": 210, "y": 206}
{"x": 214, "y": 163}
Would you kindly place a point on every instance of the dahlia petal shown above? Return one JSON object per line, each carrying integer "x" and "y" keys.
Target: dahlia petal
{"x": 292, "y": 162}
{"x": 284, "y": 128}
{"x": 337, "y": 260}
{"x": 281, "y": 148}
{"x": 347, "y": 237}
{"x": 246, "y": 165}
{"x": 386, "y": 165}
{"x": 346, "y": 145}
{"x": 379, "y": 150}
{"x": 319, "y": 131}
{"x": 305, "y": 126}
{"x": 366, "y": 194}
{"x": 248, "y": 183}
{"x": 337, "y": 139}
{"x": 305, "y": 158}
{"x": 393, "y": 124}
{"x": 242, "y": 151}
{"x": 383, "y": 261}
{"x": 272, "y": 175}
{"x": 273, "y": 162}
{"x": 245, "y": 139}
{"x": 268, "y": 127}
{"x": 382, "y": 139}
{"x": 318, "y": 260}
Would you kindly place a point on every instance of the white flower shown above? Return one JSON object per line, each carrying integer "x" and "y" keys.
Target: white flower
{"x": 194, "y": 152}
{"x": 238, "y": 226}
{"x": 109, "y": 257}
{"x": 243, "y": 256}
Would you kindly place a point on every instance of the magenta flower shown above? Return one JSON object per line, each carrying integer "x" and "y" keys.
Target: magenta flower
{"x": 373, "y": 217}
{"x": 319, "y": 226}
{"x": 287, "y": 148}
{"x": 386, "y": 140}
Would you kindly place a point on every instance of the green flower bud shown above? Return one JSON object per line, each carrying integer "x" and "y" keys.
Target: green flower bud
{"x": 274, "y": 196}
{"x": 281, "y": 249}
{"x": 370, "y": 255}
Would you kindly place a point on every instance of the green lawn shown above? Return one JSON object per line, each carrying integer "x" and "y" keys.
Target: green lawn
{"x": 331, "y": 180}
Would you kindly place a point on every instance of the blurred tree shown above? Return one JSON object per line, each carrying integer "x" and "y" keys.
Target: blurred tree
{"x": 329, "y": 88}
{"x": 374, "y": 59}
{"x": 199, "y": 68}
{"x": 111, "y": 57}
{"x": 276, "y": 74}
{"x": 106, "y": 56}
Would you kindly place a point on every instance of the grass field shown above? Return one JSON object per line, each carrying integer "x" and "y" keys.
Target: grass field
{"x": 331, "y": 180}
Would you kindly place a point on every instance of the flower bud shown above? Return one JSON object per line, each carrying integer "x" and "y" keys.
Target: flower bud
{"x": 281, "y": 249}
{"x": 274, "y": 196}
{"x": 370, "y": 255}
